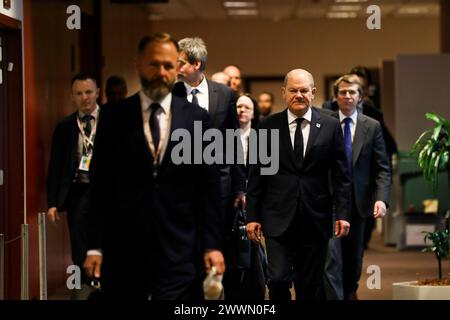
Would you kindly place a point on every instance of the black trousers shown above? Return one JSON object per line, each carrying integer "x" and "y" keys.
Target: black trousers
{"x": 77, "y": 205}
{"x": 298, "y": 255}
{"x": 352, "y": 254}
{"x": 147, "y": 277}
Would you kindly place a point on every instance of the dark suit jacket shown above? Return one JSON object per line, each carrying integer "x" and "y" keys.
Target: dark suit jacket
{"x": 371, "y": 170}
{"x": 372, "y": 112}
{"x": 63, "y": 161}
{"x": 274, "y": 200}
{"x": 162, "y": 222}
{"x": 222, "y": 110}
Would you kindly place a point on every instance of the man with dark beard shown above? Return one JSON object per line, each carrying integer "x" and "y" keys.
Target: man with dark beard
{"x": 152, "y": 223}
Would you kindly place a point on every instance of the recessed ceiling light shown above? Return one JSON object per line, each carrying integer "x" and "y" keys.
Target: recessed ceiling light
{"x": 239, "y": 4}
{"x": 413, "y": 10}
{"x": 346, "y": 7}
{"x": 155, "y": 17}
{"x": 350, "y": 1}
{"x": 243, "y": 12}
{"x": 341, "y": 15}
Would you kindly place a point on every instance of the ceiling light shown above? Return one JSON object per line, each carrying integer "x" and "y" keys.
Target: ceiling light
{"x": 243, "y": 12}
{"x": 341, "y": 15}
{"x": 155, "y": 17}
{"x": 239, "y": 4}
{"x": 413, "y": 10}
{"x": 350, "y": 1}
{"x": 346, "y": 7}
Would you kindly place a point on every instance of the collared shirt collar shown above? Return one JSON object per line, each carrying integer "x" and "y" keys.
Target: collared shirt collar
{"x": 202, "y": 87}
{"x": 353, "y": 116}
{"x": 307, "y": 116}
{"x": 146, "y": 102}
{"x": 93, "y": 113}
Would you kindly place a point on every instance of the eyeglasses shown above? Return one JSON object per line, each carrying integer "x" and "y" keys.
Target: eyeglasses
{"x": 343, "y": 93}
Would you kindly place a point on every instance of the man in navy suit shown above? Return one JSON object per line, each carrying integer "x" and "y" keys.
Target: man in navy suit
{"x": 294, "y": 207}
{"x": 369, "y": 168}
{"x": 152, "y": 222}
{"x": 68, "y": 182}
{"x": 220, "y": 102}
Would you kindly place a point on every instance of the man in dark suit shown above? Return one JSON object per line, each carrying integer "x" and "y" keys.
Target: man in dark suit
{"x": 368, "y": 165}
{"x": 152, "y": 222}
{"x": 368, "y": 108}
{"x": 68, "y": 180}
{"x": 294, "y": 207}
{"x": 220, "y": 102}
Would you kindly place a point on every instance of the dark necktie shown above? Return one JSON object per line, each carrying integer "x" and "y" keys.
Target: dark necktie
{"x": 194, "y": 96}
{"x": 87, "y": 125}
{"x": 154, "y": 124}
{"x": 298, "y": 140}
{"x": 348, "y": 144}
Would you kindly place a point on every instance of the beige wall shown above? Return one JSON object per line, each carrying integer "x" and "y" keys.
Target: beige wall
{"x": 323, "y": 47}
{"x": 422, "y": 84}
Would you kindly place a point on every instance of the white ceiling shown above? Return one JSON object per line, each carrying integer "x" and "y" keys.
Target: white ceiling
{"x": 288, "y": 9}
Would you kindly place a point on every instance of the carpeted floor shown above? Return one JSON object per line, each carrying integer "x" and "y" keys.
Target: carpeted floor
{"x": 394, "y": 266}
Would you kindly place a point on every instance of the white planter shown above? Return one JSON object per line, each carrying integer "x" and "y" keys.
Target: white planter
{"x": 411, "y": 291}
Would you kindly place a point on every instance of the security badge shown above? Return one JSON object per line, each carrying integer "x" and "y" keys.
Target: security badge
{"x": 85, "y": 162}
{"x": 88, "y": 144}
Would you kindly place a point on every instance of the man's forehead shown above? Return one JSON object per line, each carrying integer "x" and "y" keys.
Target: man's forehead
{"x": 348, "y": 85}
{"x": 83, "y": 85}
{"x": 298, "y": 85}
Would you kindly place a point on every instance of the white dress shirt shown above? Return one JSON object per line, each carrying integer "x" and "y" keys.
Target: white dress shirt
{"x": 354, "y": 117}
{"x": 306, "y": 127}
{"x": 245, "y": 136}
{"x": 163, "y": 115}
{"x": 202, "y": 94}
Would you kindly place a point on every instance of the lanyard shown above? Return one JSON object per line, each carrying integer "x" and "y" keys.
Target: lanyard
{"x": 87, "y": 141}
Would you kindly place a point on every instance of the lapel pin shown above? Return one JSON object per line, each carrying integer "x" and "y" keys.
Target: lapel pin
{"x": 318, "y": 125}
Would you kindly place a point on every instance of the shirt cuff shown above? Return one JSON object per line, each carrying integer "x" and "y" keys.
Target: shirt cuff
{"x": 95, "y": 252}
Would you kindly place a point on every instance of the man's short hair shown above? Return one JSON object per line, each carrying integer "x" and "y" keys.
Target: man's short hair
{"x": 362, "y": 72}
{"x": 350, "y": 79}
{"x": 115, "y": 81}
{"x": 195, "y": 48}
{"x": 270, "y": 94}
{"x": 82, "y": 77}
{"x": 161, "y": 37}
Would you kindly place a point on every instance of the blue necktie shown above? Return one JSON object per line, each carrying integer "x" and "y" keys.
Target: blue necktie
{"x": 194, "y": 96}
{"x": 154, "y": 124}
{"x": 348, "y": 144}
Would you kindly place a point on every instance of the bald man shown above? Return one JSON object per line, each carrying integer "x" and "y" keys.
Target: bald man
{"x": 235, "y": 78}
{"x": 221, "y": 77}
{"x": 294, "y": 207}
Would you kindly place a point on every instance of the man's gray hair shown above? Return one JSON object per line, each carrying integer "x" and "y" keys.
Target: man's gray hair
{"x": 195, "y": 49}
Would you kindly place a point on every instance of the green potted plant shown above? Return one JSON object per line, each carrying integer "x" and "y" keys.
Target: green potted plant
{"x": 432, "y": 150}
{"x": 439, "y": 245}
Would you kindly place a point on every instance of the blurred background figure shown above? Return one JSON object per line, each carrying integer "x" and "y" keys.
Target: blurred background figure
{"x": 221, "y": 77}
{"x": 116, "y": 89}
{"x": 68, "y": 183}
{"x": 248, "y": 116}
{"x": 252, "y": 278}
{"x": 234, "y": 73}
{"x": 265, "y": 103}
